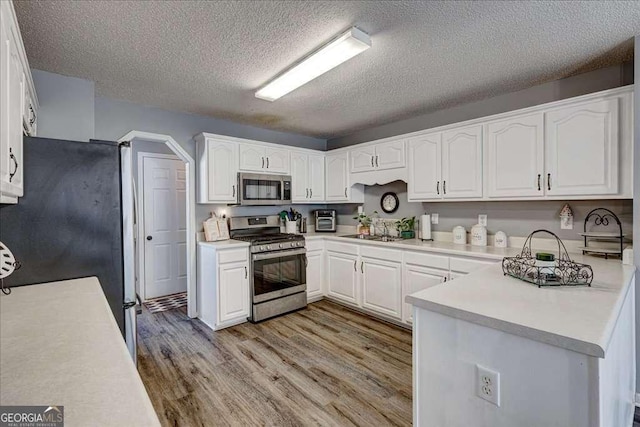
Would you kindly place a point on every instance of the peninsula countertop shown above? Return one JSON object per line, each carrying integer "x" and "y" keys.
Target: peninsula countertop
{"x": 60, "y": 345}
{"x": 577, "y": 318}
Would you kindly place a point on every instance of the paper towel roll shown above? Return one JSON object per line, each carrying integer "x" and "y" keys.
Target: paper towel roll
{"x": 425, "y": 227}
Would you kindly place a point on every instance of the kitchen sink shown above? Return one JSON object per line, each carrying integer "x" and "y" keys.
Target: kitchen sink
{"x": 375, "y": 238}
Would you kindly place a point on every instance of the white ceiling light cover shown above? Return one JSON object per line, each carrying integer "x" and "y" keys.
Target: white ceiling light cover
{"x": 341, "y": 49}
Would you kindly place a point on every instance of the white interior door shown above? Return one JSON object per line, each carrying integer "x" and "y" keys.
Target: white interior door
{"x": 165, "y": 225}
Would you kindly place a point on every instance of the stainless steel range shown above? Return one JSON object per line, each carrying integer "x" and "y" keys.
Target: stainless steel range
{"x": 278, "y": 266}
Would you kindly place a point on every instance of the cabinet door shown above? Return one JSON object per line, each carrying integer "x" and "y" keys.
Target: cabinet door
{"x": 515, "y": 157}
{"x": 581, "y": 149}
{"x": 417, "y": 278}
{"x": 4, "y": 102}
{"x": 424, "y": 167}
{"x": 233, "y": 302}
{"x": 13, "y": 90}
{"x": 337, "y": 177}
{"x": 299, "y": 176}
{"x": 252, "y": 158}
{"x": 462, "y": 162}
{"x": 343, "y": 277}
{"x": 316, "y": 178}
{"x": 390, "y": 155}
{"x": 363, "y": 159}
{"x": 222, "y": 172}
{"x": 315, "y": 274}
{"x": 277, "y": 160}
{"x": 382, "y": 286}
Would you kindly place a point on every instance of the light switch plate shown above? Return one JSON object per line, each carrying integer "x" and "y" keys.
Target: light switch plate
{"x": 482, "y": 220}
{"x": 434, "y": 218}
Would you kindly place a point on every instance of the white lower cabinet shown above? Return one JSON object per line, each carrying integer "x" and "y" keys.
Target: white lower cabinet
{"x": 343, "y": 278}
{"x": 234, "y": 291}
{"x": 315, "y": 274}
{"x": 222, "y": 285}
{"x": 382, "y": 286}
{"x": 417, "y": 278}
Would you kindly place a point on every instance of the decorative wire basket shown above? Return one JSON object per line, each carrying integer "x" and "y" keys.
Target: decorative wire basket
{"x": 564, "y": 271}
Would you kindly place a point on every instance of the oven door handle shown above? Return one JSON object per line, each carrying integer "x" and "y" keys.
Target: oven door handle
{"x": 279, "y": 254}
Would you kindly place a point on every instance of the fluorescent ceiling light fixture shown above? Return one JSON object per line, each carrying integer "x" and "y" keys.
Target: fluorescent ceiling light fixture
{"x": 334, "y": 53}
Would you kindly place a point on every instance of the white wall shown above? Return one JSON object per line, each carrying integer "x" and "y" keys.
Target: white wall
{"x": 66, "y": 106}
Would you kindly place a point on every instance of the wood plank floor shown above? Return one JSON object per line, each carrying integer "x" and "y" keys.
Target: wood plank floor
{"x": 325, "y": 365}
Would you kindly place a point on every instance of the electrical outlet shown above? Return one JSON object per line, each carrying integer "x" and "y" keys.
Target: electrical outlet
{"x": 434, "y": 218}
{"x": 488, "y": 385}
{"x": 482, "y": 220}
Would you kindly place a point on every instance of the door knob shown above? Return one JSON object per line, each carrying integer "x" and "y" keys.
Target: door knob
{"x": 149, "y": 238}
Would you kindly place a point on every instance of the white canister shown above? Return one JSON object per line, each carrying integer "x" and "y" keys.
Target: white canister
{"x": 479, "y": 235}
{"x": 290, "y": 227}
{"x": 459, "y": 235}
{"x": 500, "y": 240}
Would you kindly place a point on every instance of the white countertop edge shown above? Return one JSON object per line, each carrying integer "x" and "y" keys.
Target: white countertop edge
{"x": 226, "y": 244}
{"x": 546, "y": 337}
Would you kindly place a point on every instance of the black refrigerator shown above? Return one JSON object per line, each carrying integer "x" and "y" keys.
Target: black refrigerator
{"x": 69, "y": 223}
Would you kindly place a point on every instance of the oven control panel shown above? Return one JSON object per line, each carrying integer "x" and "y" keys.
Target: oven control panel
{"x": 277, "y": 246}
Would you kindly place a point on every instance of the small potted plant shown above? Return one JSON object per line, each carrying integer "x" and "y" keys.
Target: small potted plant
{"x": 364, "y": 222}
{"x": 405, "y": 227}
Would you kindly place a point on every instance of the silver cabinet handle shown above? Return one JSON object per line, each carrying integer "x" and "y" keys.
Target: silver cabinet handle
{"x": 310, "y": 192}
{"x": 355, "y": 265}
{"x": 33, "y": 118}
{"x": 438, "y": 188}
{"x": 233, "y": 188}
{"x": 377, "y": 162}
{"x": 362, "y": 267}
{"x": 307, "y": 193}
{"x": 549, "y": 181}
{"x": 306, "y": 261}
{"x": 267, "y": 163}
{"x": 444, "y": 187}
{"x": 371, "y": 161}
{"x": 445, "y": 278}
{"x": 263, "y": 163}
{"x": 345, "y": 192}
{"x": 538, "y": 182}
{"x": 246, "y": 274}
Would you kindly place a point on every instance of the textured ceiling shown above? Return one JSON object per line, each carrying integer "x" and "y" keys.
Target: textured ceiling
{"x": 209, "y": 57}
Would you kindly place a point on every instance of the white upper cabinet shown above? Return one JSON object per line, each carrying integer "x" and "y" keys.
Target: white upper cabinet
{"x": 424, "y": 158}
{"x": 514, "y": 156}
{"x": 385, "y": 155}
{"x": 363, "y": 159}
{"x": 277, "y": 160}
{"x": 217, "y": 170}
{"x": 581, "y": 147}
{"x": 316, "y": 177}
{"x": 462, "y": 162}
{"x": 307, "y": 177}
{"x": 390, "y": 155}
{"x": 259, "y": 158}
{"x": 337, "y": 177}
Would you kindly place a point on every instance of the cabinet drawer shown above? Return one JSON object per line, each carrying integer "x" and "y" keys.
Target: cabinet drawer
{"x": 467, "y": 265}
{"x": 233, "y": 255}
{"x": 314, "y": 245}
{"x": 344, "y": 248}
{"x": 381, "y": 253}
{"x": 427, "y": 260}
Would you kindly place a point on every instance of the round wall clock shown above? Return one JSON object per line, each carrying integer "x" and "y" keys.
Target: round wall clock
{"x": 389, "y": 202}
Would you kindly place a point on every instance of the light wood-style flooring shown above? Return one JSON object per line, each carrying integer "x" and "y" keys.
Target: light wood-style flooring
{"x": 325, "y": 365}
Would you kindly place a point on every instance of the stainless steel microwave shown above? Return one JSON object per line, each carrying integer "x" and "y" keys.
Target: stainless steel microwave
{"x": 263, "y": 190}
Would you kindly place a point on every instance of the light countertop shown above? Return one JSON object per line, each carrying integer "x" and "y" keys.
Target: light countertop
{"x": 226, "y": 244}
{"x": 447, "y": 248}
{"x": 577, "y": 318}
{"x": 60, "y": 345}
